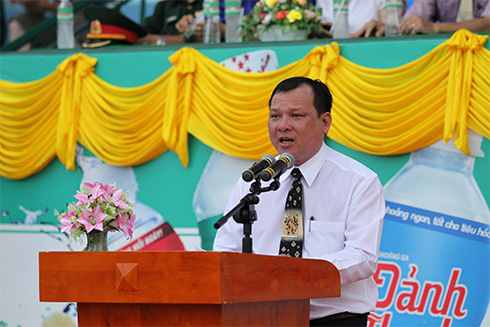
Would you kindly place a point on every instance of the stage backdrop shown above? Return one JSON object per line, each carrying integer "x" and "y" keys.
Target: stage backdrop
{"x": 185, "y": 128}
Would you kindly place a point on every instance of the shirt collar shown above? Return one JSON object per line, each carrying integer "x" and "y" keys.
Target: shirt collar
{"x": 310, "y": 169}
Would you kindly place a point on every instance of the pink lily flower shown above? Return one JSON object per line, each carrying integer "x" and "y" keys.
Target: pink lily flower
{"x": 106, "y": 189}
{"x": 116, "y": 223}
{"x": 92, "y": 219}
{"x": 95, "y": 192}
{"x": 126, "y": 224}
{"x": 68, "y": 221}
{"x": 115, "y": 198}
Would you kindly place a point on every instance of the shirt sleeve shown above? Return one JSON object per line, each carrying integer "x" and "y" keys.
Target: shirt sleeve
{"x": 486, "y": 11}
{"x": 424, "y": 8}
{"x": 362, "y": 234}
{"x": 327, "y": 10}
{"x": 248, "y": 6}
{"x": 154, "y": 23}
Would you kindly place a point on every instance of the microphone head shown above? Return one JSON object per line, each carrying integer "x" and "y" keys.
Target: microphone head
{"x": 290, "y": 158}
{"x": 249, "y": 174}
{"x": 269, "y": 157}
{"x": 284, "y": 159}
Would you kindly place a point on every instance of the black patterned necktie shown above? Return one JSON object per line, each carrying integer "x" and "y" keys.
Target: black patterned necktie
{"x": 292, "y": 229}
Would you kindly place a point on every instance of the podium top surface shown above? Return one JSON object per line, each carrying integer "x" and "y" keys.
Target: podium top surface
{"x": 182, "y": 277}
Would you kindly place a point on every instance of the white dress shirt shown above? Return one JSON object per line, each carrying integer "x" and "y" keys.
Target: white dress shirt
{"x": 343, "y": 209}
{"x": 360, "y": 12}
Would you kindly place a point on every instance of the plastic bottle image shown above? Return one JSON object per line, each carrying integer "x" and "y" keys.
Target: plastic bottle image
{"x": 222, "y": 171}
{"x": 435, "y": 251}
{"x": 64, "y": 18}
{"x": 212, "y": 32}
{"x": 393, "y": 17}
{"x": 233, "y": 16}
{"x": 149, "y": 223}
{"x": 340, "y": 25}
{"x": 213, "y": 190}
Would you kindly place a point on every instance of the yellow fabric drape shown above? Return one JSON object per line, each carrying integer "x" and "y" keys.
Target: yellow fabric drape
{"x": 28, "y": 125}
{"x": 73, "y": 70}
{"x": 377, "y": 111}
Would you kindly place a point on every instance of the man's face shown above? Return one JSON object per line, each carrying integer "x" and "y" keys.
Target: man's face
{"x": 294, "y": 125}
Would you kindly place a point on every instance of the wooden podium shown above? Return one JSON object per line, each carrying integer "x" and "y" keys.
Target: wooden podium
{"x": 185, "y": 288}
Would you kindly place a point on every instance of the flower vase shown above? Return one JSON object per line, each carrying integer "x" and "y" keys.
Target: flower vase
{"x": 275, "y": 33}
{"x": 97, "y": 240}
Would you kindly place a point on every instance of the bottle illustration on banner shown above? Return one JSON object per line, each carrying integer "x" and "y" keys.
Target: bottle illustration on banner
{"x": 222, "y": 171}
{"x": 435, "y": 252}
{"x": 150, "y": 230}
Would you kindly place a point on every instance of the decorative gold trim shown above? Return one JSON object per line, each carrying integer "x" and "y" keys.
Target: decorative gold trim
{"x": 96, "y": 45}
{"x": 107, "y": 36}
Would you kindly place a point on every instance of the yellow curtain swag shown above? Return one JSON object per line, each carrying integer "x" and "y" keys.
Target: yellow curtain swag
{"x": 74, "y": 70}
{"x": 377, "y": 111}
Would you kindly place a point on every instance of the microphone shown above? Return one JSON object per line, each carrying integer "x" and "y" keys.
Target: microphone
{"x": 285, "y": 161}
{"x": 257, "y": 167}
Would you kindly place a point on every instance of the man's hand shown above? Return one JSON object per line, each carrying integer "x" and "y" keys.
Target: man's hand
{"x": 153, "y": 38}
{"x": 184, "y": 27}
{"x": 417, "y": 25}
{"x": 148, "y": 39}
{"x": 374, "y": 27}
{"x": 198, "y": 33}
{"x": 325, "y": 31}
{"x": 183, "y": 24}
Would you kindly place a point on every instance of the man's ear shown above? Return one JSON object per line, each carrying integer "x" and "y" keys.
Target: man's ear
{"x": 327, "y": 122}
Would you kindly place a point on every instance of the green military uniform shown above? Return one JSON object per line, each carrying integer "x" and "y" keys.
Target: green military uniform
{"x": 168, "y": 13}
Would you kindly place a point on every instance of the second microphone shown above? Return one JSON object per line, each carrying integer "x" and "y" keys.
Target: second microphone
{"x": 254, "y": 171}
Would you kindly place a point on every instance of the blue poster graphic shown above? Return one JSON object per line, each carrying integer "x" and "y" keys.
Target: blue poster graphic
{"x": 433, "y": 269}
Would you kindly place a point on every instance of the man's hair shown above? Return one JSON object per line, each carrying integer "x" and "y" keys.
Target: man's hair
{"x": 322, "y": 98}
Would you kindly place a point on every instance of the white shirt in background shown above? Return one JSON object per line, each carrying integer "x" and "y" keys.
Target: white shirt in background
{"x": 360, "y": 13}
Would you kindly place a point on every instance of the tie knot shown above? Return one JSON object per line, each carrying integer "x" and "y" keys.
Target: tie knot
{"x": 296, "y": 173}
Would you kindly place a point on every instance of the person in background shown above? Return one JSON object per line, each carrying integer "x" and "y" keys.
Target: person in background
{"x": 376, "y": 27}
{"x": 365, "y": 17}
{"x": 441, "y": 16}
{"x": 173, "y": 31}
{"x": 342, "y": 208}
{"x": 34, "y": 14}
{"x": 247, "y": 5}
{"x": 171, "y": 21}
{"x": 36, "y": 11}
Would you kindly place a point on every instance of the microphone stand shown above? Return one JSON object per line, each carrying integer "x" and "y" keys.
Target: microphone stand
{"x": 244, "y": 212}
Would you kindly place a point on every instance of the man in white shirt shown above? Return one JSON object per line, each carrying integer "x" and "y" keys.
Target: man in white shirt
{"x": 343, "y": 203}
{"x": 364, "y": 17}
{"x": 443, "y": 16}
